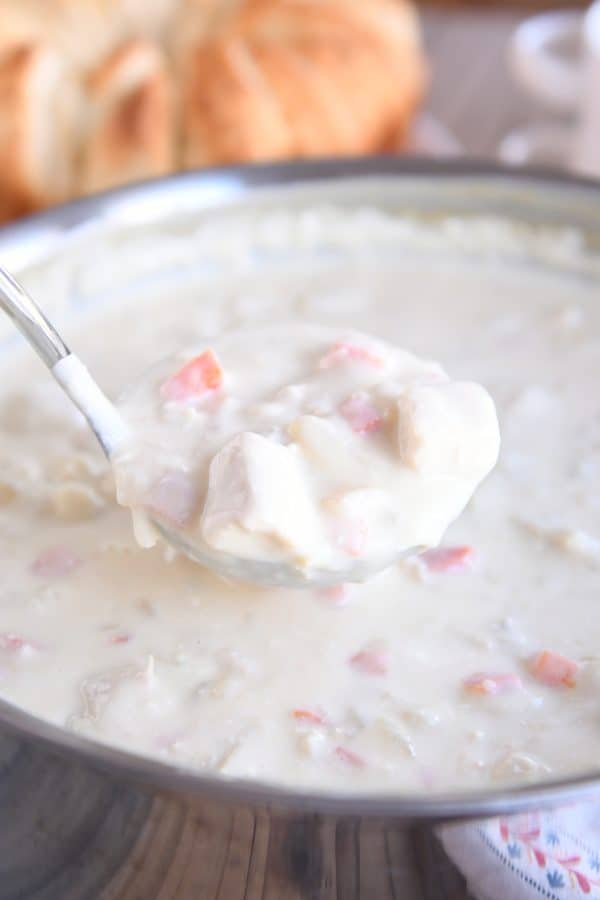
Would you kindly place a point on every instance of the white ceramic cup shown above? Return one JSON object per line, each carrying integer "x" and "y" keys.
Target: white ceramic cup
{"x": 566, "y": 85}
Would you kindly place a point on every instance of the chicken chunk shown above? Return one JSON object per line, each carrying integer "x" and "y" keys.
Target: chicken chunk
{"x": 257, "y": 490}
{"x": 447, "y": 430}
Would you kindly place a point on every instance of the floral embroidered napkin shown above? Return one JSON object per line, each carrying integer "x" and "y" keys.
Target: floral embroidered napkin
{"x": 551, "y": 855}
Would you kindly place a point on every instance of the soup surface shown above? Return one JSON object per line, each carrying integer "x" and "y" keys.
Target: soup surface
{"x": 321, "y": 452}
{"x": 475, "y": 665}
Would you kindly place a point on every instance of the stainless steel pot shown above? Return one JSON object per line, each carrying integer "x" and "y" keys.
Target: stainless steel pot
{"x": 80, "y": 820}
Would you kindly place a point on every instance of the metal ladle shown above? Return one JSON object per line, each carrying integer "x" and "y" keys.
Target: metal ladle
{"x": 111, "y": 430}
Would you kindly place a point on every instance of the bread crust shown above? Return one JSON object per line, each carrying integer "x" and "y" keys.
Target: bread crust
{"x": 288, "y": 78}
{"x": 84, "y": 105}
{"x": 130, "y": 132}
{"x": 83, "y": 31}
{"x": 38, "y": 130}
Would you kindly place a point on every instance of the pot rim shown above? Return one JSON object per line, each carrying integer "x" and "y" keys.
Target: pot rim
{"x": 211, "y": 188}
{"x": 214, "y": 187}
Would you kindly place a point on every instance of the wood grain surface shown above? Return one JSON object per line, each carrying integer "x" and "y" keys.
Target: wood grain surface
{"x": 68, "y": 832}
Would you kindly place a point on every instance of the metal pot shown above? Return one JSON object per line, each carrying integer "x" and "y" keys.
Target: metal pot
{"x": 81, "y": 820}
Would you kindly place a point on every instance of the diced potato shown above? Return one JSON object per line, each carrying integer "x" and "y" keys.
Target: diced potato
{"x": 447, "y": 429}
{"x": 312, "y": 744}
{"x": 357, "y": 515}
{"x": 325, "y": 445}
{"x": 257, "y": 489}
{"x": 514, "y": 765}
{"x": 573, "y": 541}
{"x": 75, "y": 502}
{"x": 78, "y": 467}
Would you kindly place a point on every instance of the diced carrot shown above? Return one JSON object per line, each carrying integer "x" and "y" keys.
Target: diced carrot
{"x": 309, "y": 716}
{"x": 343, "y": 352}
{"x": 553, "y": 669}
{"x": 54, "y": 563}
{"x": 362, "y": 416}
{"x": 350, "y": 758}
{"x": 370, "y": 661}
{"x": 13, "y": 643}
{"x": 337, "y": 595}
{"x": 448, "y": 559}
{"x": 198, "y": 377}
{"x": 492, "y": 683}
{"x": 120, "y": 638}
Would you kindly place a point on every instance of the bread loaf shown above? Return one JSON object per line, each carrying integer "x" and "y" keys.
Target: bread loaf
{"x": 289, "y": 78}
{"x": 96, "y": 93}
{"x": 130, "y": 133}
{"x": 83, "y": 31}
{"x": 40, "y": 108}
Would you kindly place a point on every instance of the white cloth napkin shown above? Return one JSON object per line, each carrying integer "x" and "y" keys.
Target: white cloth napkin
{"x": 550, "y": 855}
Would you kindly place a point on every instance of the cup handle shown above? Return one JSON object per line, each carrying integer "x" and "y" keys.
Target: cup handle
{"x": 547, "y": 76}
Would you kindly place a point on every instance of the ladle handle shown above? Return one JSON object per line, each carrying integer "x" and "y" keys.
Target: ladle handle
{"x": 68, "y": 370}
{"x": 31, "y": 321}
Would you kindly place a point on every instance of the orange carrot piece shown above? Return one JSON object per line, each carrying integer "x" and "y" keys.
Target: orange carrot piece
{"x": 199, "y": 376}
{"x": 13, "y": 643}
{"x": 121, "y": 637}
{"x": 350, "y": 758}
{"x": 554, "y": 669}
{"x": 309, "y": 716}
{"x": 336, "y": 595}
{"x": 448, "y": 559}
{"x": 370, "y": 662}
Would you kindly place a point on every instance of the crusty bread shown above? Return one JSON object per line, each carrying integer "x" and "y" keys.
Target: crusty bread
{"x": 130, "y": 132}
{"x": 39, "y": 112}
{"x": 84, "y": 31}
{"x": 302, "y": 78}
{"x": 198, "y": 20}
{"x": 89, "y": 88}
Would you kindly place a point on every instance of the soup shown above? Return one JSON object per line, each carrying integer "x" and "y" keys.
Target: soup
{"x": 474, "y": 665}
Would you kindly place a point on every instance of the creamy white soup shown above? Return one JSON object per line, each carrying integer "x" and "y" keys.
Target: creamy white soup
{"x": 476, "y": 663}
{"x": 320, "y": 451}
